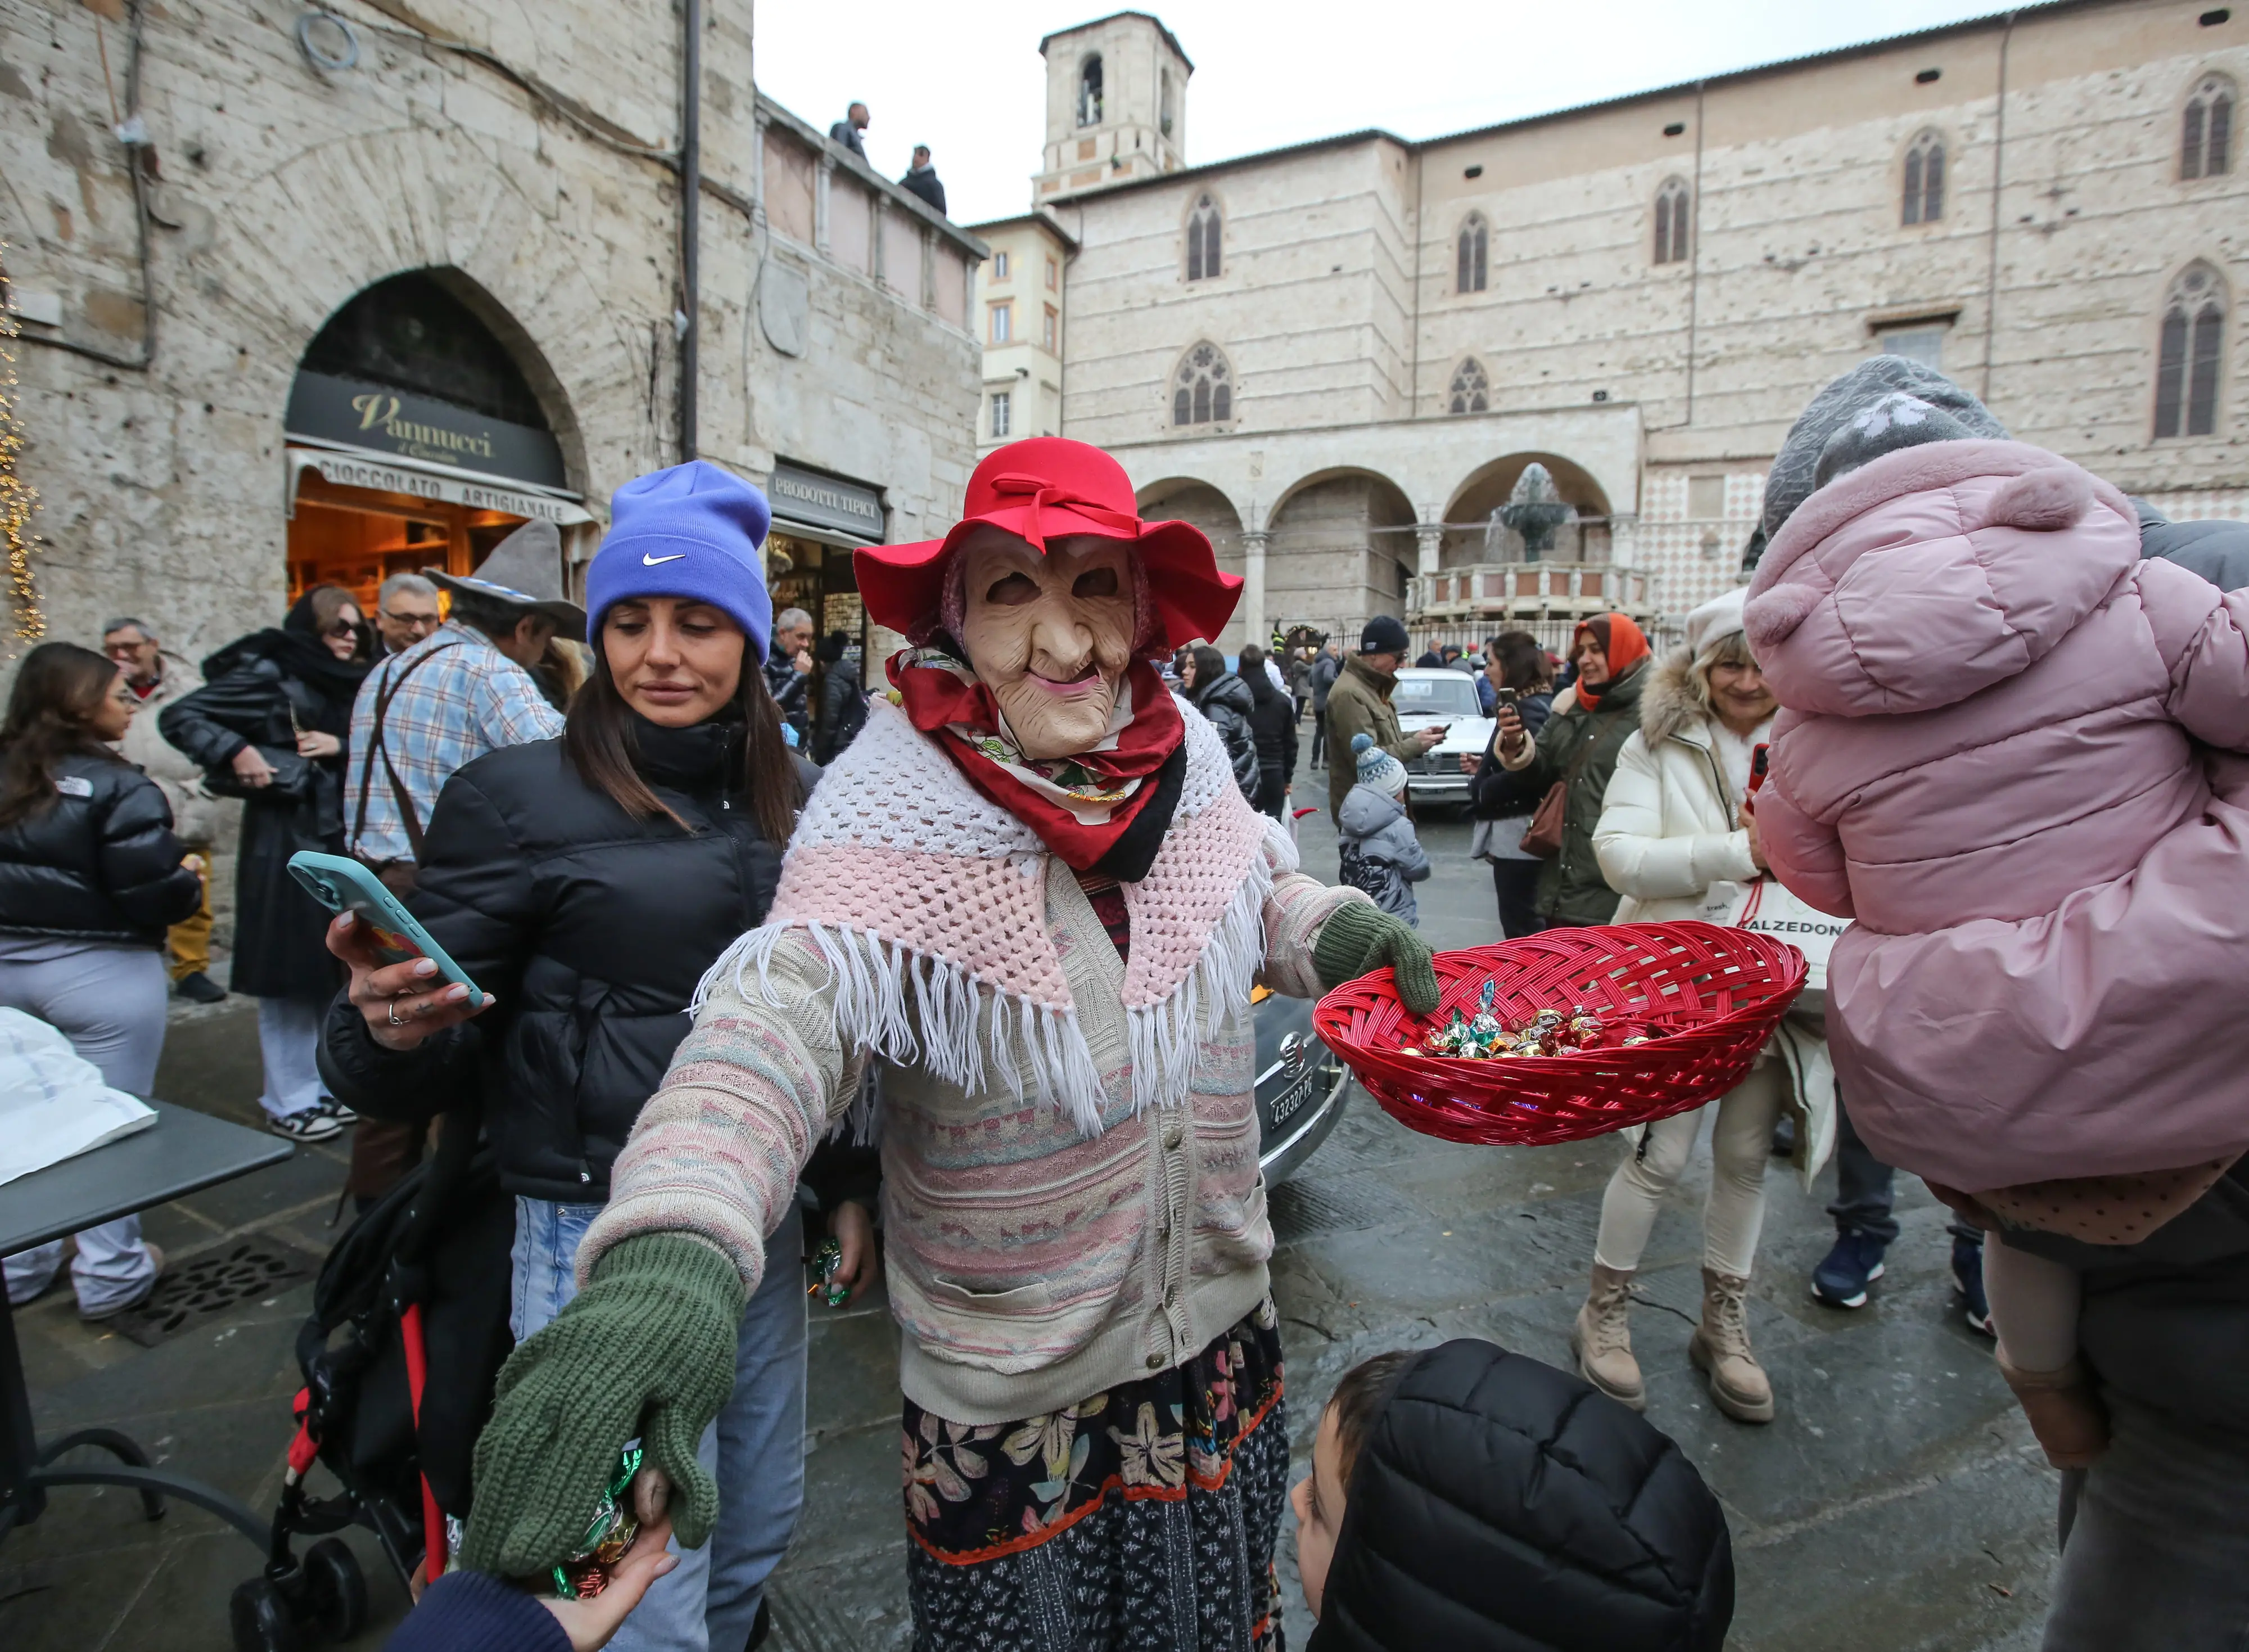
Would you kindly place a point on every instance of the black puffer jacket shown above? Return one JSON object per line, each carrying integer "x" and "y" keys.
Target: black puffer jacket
{"x": 100, "y": 864}
{"x": 1225, "y": 701}
{"x": 1501, "y": 1505}
{"x": 1273, "y": 723}
{"x": 590, "y": 928}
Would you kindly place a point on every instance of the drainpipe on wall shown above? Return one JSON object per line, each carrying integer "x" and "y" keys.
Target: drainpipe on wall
{"x": 690, "y": 202}
{"x": 1695, "y": 257}
{"x": 1998, "y": 179}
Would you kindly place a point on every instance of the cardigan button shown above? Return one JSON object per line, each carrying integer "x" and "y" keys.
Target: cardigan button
{"x": 1155, "y": 1362}
{"x": 1174, "y": 1130}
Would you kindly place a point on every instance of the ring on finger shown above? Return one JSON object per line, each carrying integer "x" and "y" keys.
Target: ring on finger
{"x": 392, "y": 1006}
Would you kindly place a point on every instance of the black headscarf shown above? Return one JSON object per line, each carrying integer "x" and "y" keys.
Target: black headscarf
{"x": 296, "y": 647}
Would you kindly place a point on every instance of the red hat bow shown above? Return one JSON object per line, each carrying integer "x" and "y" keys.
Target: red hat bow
{"x": 1049, "y": 487}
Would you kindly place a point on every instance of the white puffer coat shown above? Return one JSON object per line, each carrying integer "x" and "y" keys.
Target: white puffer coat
{"x": 1671, "y": 842}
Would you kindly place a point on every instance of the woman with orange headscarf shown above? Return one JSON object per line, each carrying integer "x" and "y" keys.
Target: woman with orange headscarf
{"x": 1577, "y": 747}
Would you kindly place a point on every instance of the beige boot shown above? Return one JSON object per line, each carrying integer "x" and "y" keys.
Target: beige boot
{"x": 1602, "y": 1338}
{"x": 2064, "y": 1411}
{"x": 1720, "y": 1349}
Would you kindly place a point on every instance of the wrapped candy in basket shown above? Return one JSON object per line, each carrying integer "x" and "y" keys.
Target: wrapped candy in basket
{"x": 1567, "y": 1034}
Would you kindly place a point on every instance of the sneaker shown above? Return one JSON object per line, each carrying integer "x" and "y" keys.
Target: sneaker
{"x": 310, "y": 1124}
{"x": 198, "y": 988}
{"x": 337, "y": 1111}
{"x": 1842, "y": 1279}
{"x": 1968, "y": 1274}
{"x": 146, "y": 1291}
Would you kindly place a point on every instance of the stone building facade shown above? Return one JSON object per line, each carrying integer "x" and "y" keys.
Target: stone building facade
{"x": 1340, "y": 357}
{"x": 323, "y": 198}
{"x": 1020, "y": 296}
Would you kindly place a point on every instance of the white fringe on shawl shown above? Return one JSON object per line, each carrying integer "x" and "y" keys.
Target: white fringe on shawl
{"x": 972, "y": 1032}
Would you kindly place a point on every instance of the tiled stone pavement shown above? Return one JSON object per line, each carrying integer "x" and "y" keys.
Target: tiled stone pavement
{"x": 1896, "y": 1504}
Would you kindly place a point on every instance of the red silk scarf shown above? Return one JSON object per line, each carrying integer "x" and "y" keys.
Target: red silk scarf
{"x": 1079, "y": 806}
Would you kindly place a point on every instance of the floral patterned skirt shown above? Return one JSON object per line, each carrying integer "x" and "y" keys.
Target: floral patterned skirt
{"x": 1142, "y": 1518}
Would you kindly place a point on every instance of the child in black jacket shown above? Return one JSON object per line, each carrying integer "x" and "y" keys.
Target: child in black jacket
{"x": 1474, "y": 1500}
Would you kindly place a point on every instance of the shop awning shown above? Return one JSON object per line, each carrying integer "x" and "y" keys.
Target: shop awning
{"x": 386, "y": 473}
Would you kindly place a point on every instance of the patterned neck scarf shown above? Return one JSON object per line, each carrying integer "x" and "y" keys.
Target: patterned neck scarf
{"x": 1079, "y": 806}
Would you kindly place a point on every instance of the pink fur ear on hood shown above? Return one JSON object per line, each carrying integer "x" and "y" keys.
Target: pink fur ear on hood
{"x": 1769, "y": 618}
{"x": 2047, "y": 499}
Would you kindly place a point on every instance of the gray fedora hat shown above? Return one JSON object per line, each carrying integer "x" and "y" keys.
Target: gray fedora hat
{"x": 524, "y": 570}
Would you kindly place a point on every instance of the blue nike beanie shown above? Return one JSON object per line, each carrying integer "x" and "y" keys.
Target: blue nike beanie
{"x": 693, "y": 532}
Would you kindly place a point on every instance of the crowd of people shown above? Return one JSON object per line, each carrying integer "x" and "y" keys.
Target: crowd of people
{"x": 961, "y": 972}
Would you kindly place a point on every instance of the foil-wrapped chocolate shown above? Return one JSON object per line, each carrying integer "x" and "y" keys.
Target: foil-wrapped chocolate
{"x": 610, "y": 1533}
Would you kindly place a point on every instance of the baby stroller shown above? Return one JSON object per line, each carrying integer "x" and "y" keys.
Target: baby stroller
{"x": 408, "y": 1328}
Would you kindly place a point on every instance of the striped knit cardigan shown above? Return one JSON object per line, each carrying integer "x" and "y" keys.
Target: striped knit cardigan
{"x": 1069, "y": 1143}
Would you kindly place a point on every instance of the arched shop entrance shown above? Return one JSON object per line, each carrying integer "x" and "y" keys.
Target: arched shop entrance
{"x": 415, "y": 440}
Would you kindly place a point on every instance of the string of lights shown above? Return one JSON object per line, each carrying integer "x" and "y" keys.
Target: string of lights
{"x": 19, "y": 500}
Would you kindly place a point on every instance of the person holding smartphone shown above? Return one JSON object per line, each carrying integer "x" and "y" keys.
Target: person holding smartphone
{"x": 587, "y": 882}
{"x": 270, "y": 725}
{"x": 1502, "y": 801}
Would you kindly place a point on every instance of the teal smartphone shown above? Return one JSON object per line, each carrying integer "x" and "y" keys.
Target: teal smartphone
{"x": 344, "y": 885}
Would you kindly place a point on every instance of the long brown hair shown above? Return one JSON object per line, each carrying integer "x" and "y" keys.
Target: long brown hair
{"x": 598, "y": 735}
{"x": 50, "y": 717}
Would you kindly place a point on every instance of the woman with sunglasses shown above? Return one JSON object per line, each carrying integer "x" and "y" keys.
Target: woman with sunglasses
{"x": 268, "y": 726}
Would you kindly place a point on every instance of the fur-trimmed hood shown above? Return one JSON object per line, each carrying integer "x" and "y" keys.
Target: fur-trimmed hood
{"x": 1669, "y": 705}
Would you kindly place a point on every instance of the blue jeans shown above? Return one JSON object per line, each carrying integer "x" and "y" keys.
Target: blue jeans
{"x": 755, "y": 1448}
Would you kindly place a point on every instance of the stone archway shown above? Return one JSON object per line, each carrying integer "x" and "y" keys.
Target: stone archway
{"x": 1466, "y": 540}
{"x": 417, "y": 438}
{"x": 1191, "y": 500}
{"x": 1339, "y": 548}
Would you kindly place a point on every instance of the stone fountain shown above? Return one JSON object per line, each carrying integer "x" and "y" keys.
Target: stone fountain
{"x": 1534, "y": 509}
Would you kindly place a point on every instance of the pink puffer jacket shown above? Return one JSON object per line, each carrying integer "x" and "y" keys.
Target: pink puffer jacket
{"x": 1988, "y": 759}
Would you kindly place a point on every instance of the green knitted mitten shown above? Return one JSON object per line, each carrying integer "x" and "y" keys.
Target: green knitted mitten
{"x": 1358, "y": 937}
{"x": 647, "y": 1349}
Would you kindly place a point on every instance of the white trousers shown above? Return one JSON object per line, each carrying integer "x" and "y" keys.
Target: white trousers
{"x": 1741, "y": 1145}
{"x": 109, "y": 1002}
{"x": 288, "y": 1036}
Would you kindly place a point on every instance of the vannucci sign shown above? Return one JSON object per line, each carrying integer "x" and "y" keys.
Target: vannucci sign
{"x": 421, "y": 426}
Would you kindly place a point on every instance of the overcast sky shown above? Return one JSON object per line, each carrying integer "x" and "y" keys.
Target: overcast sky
{"x": 968, "y": 80}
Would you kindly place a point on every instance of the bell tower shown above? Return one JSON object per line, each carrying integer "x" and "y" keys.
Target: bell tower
{"x": 1116, "y": 104}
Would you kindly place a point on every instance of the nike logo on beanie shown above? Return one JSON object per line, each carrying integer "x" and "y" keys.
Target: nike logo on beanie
{"x": 646, "y": 561}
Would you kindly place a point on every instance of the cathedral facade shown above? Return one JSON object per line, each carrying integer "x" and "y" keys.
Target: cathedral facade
{"x": 1341, "y": 358}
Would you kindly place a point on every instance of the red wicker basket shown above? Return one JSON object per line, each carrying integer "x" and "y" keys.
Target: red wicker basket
{"x": 1715, "y": 992}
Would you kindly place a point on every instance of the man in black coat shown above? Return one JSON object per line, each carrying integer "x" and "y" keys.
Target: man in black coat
{"x": 921, "y": 179}
{"x": 846, "y": 131}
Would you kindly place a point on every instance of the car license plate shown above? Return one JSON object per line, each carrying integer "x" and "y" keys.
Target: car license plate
{"x": 1291, "y": 1101}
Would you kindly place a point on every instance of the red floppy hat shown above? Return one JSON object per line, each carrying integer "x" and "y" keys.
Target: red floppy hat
{"x": 1047, "y": 487}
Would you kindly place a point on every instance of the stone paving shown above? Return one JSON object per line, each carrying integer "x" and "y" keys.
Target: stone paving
{"x": 1897, "y": 1503}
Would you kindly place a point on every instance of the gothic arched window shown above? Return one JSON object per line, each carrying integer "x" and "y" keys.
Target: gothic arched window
{"x": 1475, "y": 245}
{"x": 2206, "y": 130}
{"x": 1088, "y": 92}
{"x": 1202, "y": 389}
{"x": 2192, "y": 351}
{"x": 1674, "y": 203}
{"x": 1203, "y": 242}
{"x": 1471, "y": 388}
{"x": 1924, "y": 180}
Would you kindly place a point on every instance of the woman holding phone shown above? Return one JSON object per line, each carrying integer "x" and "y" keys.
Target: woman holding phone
{"x": 586, "y": 884}
{"x": 269, "y": 727}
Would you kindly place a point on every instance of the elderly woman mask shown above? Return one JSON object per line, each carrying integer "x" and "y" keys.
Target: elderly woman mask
{"x": 1051, "y": 637}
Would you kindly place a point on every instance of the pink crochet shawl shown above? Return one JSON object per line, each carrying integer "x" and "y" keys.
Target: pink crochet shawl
{"x": 928, "y": 903}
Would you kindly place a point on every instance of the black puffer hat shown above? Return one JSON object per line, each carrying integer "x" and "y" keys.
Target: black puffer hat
{"x": 1501, "y": 1505}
